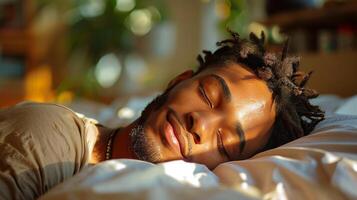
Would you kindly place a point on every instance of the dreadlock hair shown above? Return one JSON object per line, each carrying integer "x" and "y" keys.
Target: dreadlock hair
{"x": 295, "y": 115}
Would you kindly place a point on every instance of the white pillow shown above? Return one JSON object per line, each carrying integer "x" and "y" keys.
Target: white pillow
{"x": 322, "y": 165}
{"x": 336, "y": 134}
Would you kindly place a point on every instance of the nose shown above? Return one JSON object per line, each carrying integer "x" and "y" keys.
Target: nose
{"x": 202, "y": 125}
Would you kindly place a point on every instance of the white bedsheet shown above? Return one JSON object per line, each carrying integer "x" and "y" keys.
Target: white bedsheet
{"x": 322, "y": 165}
{"x": 133, "y": 179}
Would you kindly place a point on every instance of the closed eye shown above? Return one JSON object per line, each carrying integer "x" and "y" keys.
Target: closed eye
{"x": 220, "y": 145}
{"x": 203, "y": 93}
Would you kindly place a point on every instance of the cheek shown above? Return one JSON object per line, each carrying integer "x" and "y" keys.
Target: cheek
{"x": 208, "y": 158}
{"x": 208, "y": 155}
{"x": 184, "y": 97}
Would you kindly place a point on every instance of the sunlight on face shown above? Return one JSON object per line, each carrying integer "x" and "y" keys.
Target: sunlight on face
{"x": 254, "y": 106}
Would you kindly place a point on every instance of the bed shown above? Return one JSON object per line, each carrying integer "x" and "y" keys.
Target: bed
{"x": 322, "y": 165}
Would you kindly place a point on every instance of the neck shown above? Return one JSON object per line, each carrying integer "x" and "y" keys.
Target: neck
{"x": 120, "y": 146}
{"x": 102, "y": 138}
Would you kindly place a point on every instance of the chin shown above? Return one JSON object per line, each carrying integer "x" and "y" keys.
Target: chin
{"x": 144, "y": 144}
{"x": 157, "y": 146}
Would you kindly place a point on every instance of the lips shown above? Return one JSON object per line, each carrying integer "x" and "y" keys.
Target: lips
{"x": 177, "y": 138}
{"x": 171, "y": 137}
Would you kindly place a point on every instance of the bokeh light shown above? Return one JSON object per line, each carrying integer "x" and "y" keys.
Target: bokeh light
{"x": 223, "y": 9}
{"x": 125, "y": 5}
{"x": 140, "y": 21}
{"x": 126, "y": 113}
{"x": 65, "y": 97}
{"x": 92, "y": 8}
{"x": 276, "y": 34}
{"x": 108, "y": 70}
{"x": 38, "y": 84}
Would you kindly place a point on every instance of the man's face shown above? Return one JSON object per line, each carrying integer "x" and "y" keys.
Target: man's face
{"x": 221, "y": 114}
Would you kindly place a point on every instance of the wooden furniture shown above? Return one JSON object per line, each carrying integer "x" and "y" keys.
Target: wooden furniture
{"x": 328, "y": 16}
{"x": 15, "y": 41}
{"x": 38, "y": 42}
{"x": 321, "y": 30}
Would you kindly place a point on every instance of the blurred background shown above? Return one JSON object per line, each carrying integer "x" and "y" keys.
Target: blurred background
{"x": 98, "y": 53}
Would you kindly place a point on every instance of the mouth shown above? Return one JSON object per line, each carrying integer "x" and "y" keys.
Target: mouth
{"x": 174, "y": 135}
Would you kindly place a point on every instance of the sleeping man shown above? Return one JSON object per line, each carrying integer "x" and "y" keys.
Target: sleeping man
{"x": 241, "y": 100}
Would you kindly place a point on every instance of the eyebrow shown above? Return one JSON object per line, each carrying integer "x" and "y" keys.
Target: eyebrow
{"x": 227, "y": 95}
{"x": 226, "y": 92}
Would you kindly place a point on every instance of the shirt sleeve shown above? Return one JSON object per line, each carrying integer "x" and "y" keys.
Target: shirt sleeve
{"x": 41, "y": 145}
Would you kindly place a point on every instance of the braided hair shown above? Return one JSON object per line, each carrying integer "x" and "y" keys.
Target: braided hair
{"x": 295, "y": 115}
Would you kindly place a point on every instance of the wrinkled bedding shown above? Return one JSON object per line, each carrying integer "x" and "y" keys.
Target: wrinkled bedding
{"x": 322, "y": 165}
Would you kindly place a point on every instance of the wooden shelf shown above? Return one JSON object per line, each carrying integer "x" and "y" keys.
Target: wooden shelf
{"x": 334, "y": 73}
{"x": 17, "y": 41}
{"x": 325, "y": 17}
{"x": 13, "y": 42}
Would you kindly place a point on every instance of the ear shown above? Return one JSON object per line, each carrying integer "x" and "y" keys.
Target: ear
{"x": 183, "y": 76}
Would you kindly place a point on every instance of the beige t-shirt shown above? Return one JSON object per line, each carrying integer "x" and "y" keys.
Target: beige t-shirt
{"x": 41, "y": 145}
